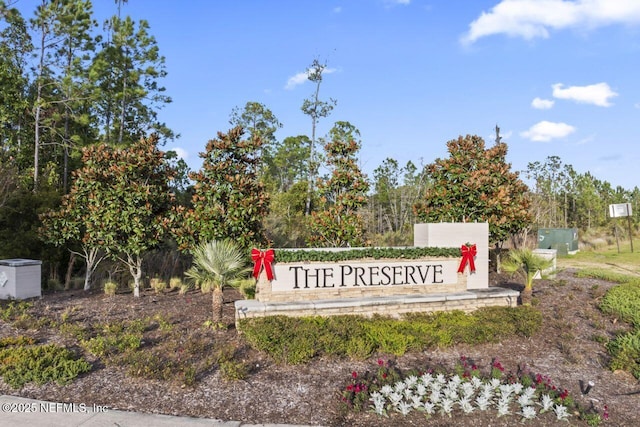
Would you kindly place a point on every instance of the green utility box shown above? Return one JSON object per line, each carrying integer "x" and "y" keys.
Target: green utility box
{"x": 564, "y": 240}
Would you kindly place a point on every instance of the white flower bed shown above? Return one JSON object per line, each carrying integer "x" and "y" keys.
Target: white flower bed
{"x": 437, "y": 394}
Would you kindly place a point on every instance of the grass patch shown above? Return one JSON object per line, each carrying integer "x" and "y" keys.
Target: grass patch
{"x": 298, "y": 340}
{"x": 609, "y": 254}
{"x": 607, "y": 275}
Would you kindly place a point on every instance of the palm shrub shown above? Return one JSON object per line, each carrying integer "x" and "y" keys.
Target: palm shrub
{"x": 526, "y": 263}
{"x": 217, "y": 264}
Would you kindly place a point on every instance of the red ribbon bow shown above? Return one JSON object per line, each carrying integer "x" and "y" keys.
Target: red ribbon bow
{"x": 468, "y": 252}
{"x": 263, "y": 258}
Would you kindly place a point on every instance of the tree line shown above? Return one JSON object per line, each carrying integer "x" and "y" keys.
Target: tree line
{"x": 83, "y": 172}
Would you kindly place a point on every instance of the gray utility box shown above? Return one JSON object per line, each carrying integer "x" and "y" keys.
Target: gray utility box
{"x": 20, "y": 278}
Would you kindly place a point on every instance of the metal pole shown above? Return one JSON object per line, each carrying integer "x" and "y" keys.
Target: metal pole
{"x": 630, "y": 234}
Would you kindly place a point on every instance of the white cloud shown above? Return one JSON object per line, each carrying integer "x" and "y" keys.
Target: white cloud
{"x": 542, "y": 104}
{"x": 596, "y": 94}
{"x": 302, "y": 77}
{"x": 545, "y": 131}
{"x": 535, "y": 18}
{"x": 181, "y": 152}
{"x": 296, "y": 80}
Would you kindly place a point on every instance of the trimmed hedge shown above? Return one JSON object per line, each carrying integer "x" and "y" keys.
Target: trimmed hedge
{"x": 371, "y": 253}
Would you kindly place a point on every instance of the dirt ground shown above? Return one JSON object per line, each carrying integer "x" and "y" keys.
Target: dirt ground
{"x": 568, "y": 348}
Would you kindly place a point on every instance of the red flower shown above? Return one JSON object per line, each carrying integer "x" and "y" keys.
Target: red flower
{"x": 354, "y": 375}
{"x": 380, "y": 362}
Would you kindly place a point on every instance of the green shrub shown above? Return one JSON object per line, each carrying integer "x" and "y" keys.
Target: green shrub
{"x": 233, "y": 370}
{"x": 623, "y": 301}
{"x": 296, "y": 340}
{"x": 116, "y": 338}
{"x": 20, "y": 340}
{"x": 625, "y": 352}
{"x": 354, "y": 254}
{"x": 158, "y": 285}
{"x": 185, "y": 287}
{"x": 247, "y": 288}
{"x": 40, "y": 364}
{"x": 175, "y": 283}
{"x": 74, "y": 330}
{"x": 147, "y": 364}
{"x": 14, "y": 309}
{"x": 110, "y": 288}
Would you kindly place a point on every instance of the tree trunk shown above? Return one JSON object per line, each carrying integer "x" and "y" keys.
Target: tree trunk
{"x": 135, "y": 268}
{"x": 67, "y": 278}
{"x": 217, "y": 302}
{"x": 92, "y": 258}
{"x": 526, "y": 295}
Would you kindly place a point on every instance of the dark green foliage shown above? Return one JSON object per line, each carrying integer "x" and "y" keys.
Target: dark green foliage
{"x": 229, "y": 201}
{"x": 339, "y": 222}
{"x": 298, "y": 340}
{"x": 476, "y": 184}
{"x": 625, "y": 352}
{"x": 20, "y": 340}
{"x": 375, "y": 253}
{"x": 20, "y": 365}
{"x": 19, "y": 223}
{"x": 13, "y": 310}
{"x": 623, "y": 301}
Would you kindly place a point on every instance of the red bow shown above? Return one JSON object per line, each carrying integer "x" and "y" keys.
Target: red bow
{"x": 468, "y": 252}
{"x": 261, "y": 258}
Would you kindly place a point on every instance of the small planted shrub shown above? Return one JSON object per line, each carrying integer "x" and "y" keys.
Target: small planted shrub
{"x": 14, "y": 310}
{"x": 115, "y": 338}
{"x": 625, "y": 352}
{"x": 184, "y": 288}
{"x": 175, "y": 283}
{"x": 623, "y": 301}
{"x": 20, "y": 340}
{"x": 158, "y": 285}
{"x": 110, "y": 288}
{"x": 21, "y": 363}
{"x": 247, "y": 288}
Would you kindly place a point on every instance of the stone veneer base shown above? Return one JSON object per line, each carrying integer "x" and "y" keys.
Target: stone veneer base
{"x": 393, "y": 305}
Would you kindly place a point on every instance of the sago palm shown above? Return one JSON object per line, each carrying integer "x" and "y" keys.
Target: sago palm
{"x": 526, "y": 263}
{"x": 217, "y": 264}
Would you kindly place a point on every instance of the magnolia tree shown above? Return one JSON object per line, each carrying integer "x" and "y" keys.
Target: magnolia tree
{"x": 118, "y": 204}
{"x": 229, "y": 201}
{"x": 343, "y": 194}
{"x": 476, "y": 184}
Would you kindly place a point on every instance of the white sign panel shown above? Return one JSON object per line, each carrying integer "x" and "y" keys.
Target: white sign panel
{"x": 298, "y": 277}
{"x": 620, "y": 210}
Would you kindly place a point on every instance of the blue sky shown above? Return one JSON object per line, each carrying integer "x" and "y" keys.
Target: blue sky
{"x": 559, "y": 77}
